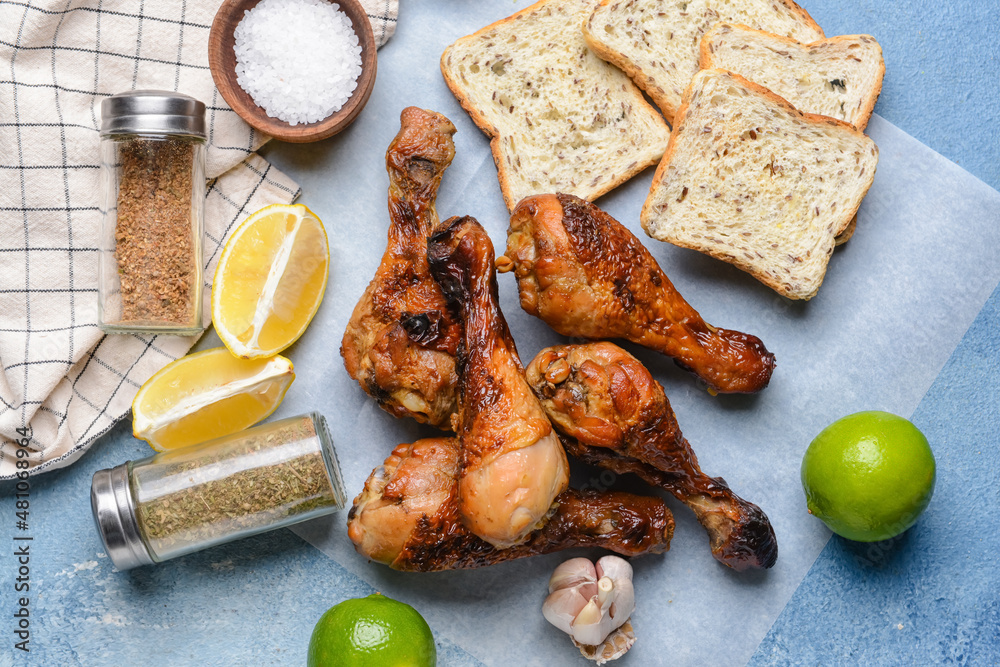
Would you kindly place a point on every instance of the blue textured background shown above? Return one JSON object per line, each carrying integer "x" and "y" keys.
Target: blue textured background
{"x": 942, "y": 83}
{"x": 931, "y": 596}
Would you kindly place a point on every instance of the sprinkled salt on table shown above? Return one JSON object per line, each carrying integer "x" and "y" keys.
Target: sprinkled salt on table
{"x": 298, "y": 59}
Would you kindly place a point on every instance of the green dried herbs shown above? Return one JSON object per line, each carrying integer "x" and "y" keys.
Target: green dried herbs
{"x": 265, "y": 477}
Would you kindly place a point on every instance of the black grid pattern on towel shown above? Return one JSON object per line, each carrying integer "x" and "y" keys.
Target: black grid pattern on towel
{"x": 58, "y": 60}
{"x": 382, "y": 14}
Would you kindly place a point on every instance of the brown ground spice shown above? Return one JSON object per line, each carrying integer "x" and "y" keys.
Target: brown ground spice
{"x": 154, "y": 237}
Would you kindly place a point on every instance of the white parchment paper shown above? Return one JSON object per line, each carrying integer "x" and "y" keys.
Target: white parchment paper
{"x": 896, "y": 301}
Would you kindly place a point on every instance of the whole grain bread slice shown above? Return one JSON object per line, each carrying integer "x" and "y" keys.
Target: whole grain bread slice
{"x": 753, "y": 181}
{"x": 560, "y": 119}
{"x": 840, "y": 77}
{"x": 656, "y": 42}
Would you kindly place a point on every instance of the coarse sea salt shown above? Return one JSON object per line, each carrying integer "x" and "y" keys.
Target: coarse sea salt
{"x": 298, "y": 59}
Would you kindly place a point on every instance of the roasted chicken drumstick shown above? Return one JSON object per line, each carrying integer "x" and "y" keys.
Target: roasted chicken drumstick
{"x": 584, "y": 274}
{"x": 613, "y": 414}
{"x": 401, "y": 340}
{"x": 513, "y": 465}
{"x": 407, "y": 517}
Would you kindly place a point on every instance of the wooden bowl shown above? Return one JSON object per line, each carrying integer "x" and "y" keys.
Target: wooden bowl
{"x": 222, "y": 61}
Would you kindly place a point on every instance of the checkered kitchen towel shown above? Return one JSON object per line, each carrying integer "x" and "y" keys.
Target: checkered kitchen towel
{"x": 63, "y": 383}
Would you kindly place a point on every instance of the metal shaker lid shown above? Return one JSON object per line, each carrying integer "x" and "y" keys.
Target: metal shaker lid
{"x": 152, "y": 112}
{"x": 330, "y": 459}
{"x": 114, "y": 514}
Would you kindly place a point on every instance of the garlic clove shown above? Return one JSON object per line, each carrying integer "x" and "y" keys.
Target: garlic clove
{"x": 562, "y": 607}
{"x": 590, "y": 602}
{"x": 589, "y": 615}
{"x": 614, "y": 567}
{"x": 624, "y": 603}
{"x": 588, "y": 628}
{"x": 605, "y": 588}
{"x": 572, "y": 572}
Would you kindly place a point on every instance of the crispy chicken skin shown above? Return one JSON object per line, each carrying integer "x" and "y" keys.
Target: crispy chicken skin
{"x": 613, "y": 414}
{"x": 512, "y": 463}
{"x": 585, "y": 275}
{"x": 401, "y": 340}
{"x": 407, "y": 517}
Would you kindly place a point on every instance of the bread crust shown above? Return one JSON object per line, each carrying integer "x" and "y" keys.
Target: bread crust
{"x": 495, "y": 135}
{"x": 845, "y": 236}
{"x": 466, "y": 103}
{"x": 619, "y": 60}
{"x": 643, "y": 80}
{"x": 481, "y": 122}
{"x": 645, "y": 215}
{"x": 706, "y": 57}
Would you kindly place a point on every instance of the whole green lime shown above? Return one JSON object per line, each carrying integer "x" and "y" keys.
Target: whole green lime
{"x": 375, "y": 631}
{"x": 868, "y": 476}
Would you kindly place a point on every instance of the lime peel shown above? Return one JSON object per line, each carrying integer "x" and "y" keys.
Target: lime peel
{"x": 868, "y": 476}
{"x": 374, "y": 630}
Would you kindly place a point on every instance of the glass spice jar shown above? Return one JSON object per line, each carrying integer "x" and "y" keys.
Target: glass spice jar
{"x": 153, "y": 199}
{"x": 185, "y": 500}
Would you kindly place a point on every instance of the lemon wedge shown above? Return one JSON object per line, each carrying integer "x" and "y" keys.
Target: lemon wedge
{"x": 207, "y": 395}
{"x": 270, "y": 280}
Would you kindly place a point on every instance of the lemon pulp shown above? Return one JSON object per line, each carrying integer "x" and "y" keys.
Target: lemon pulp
{"x": 270, "y": 280}
{"x": 207, "y": 395}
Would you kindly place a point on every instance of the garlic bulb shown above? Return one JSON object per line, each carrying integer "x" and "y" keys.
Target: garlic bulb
{"x": 589, "y": 602}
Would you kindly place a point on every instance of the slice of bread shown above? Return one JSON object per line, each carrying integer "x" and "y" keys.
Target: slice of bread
{"x": 839, "y": 77}
{"x": 560, "y": 119}
{"x": 753, "y": 181}
{"x": 656, "y": 42}
{"x": 845, "y": 236}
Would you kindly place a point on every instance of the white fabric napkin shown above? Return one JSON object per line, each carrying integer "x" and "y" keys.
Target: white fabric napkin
{"x": 63, "y": 383}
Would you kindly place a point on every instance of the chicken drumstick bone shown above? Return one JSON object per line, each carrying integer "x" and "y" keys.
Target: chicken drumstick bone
{"x": 613, "y": 414}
